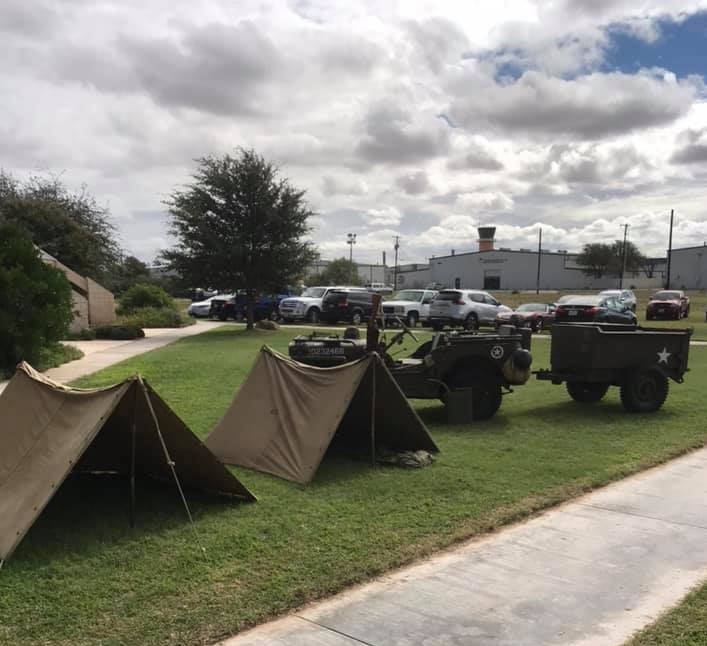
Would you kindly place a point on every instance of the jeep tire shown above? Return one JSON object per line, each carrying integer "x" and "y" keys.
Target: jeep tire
{"x": 411, "y": 319}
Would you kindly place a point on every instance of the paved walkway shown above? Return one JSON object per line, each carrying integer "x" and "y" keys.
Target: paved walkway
{"x": 588, "y": 573}
{"x": 101, "y": 354}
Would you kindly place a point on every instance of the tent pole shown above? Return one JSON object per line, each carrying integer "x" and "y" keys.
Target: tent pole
{"x": 169, "y": 460}
{"x": 373, "y": 411}
{"x": 132, "y": 463}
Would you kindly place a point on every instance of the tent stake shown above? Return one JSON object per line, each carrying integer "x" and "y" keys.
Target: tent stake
{"x": 373, "y": 411}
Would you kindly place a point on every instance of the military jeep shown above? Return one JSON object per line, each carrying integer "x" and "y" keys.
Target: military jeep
{"x": 487, "y": 364}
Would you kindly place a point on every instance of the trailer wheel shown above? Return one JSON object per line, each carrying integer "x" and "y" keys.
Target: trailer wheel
{"x": 586, "y": 393}
{"x": 644, "y": 391}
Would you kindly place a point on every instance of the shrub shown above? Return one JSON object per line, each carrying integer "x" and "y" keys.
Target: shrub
{"x": 35, "y": 299}
{"x": 119, "y": 332}
{"x": 141, "y": 296}
{"x": 153, "y": 317}
{"x": 86, "y": 334}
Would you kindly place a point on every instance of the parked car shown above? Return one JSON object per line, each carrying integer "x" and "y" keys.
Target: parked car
{"x": 669, "y": 304}
{"x": 265, "y": 306}
{"x": 468, "y": 308}
{"x": 599, "y": 309}
{"x": 350, "y": 304}
{"x": 410, "y": 306}
{"x": 624, "y": 296}
{"x": 536, "y": 316}
{"x": 202, "y": 309}
{"x": 307, "y": 306}
{"x": 563, "y": 299}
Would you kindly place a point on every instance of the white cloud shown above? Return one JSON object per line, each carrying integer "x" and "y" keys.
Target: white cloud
{"x": 347, "y": 98}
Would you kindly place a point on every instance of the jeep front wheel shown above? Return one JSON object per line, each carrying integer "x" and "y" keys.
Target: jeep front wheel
{"x": 357, "y": 317}
{"x": 412, "y": 319}
{"x": 313, "y": 315}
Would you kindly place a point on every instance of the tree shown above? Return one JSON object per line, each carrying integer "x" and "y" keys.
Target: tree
{"x": 128, "y": 272}
{"x": 35, "y": 299}
{"x": 71, "y": 226}
{"x": 600, "y": 259}
{"x": 339, "y": 272}
{"x": 239, "y": 225}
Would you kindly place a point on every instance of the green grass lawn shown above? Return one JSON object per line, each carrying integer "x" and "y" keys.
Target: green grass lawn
{"x": 685, "y": 625}
{"x": 82, "y": 576}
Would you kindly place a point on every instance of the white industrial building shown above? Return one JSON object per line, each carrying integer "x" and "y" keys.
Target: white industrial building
{"x": 688, "y": 267}
{"x": 507, "y": 269}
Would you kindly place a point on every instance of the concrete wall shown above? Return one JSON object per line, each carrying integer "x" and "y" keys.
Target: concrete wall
{"x": 101, "y": 304}
{"x": 93, "y": 304}
{"x": 80, "y": 308}
{"x": 689, "y": 268}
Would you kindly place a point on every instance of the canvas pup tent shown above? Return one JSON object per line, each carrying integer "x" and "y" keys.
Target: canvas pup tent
{"x": 286, "y": 415}
{"x": 48, "y": 430}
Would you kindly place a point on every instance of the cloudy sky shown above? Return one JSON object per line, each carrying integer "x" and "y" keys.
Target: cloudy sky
{"x": 412, "y": 118}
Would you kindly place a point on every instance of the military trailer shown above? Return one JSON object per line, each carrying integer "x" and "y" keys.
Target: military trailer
{"x": 486, "y": 364}
{"x": 590, "y": 357}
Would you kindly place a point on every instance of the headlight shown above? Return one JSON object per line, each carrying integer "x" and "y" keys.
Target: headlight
{"x": 399, "y": 309}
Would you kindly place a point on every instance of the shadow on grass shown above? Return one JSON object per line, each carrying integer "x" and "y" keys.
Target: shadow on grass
{"x": 92, "y": 512}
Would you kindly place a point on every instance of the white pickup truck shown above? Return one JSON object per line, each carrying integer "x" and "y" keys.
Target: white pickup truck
{"x": 409, "y": 305}
{"x": 306, "y": 307}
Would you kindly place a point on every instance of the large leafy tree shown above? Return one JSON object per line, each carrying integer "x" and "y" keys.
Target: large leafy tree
{"x": 600, "y": 259}
{"x": 70, "y": 225}
{"x": 339, "y": 272}
{"x": 239, "y": 225}
{"x": 35, "y": 299}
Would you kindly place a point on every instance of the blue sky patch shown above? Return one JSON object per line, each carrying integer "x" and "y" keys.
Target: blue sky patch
{"x": 680, "y": 48}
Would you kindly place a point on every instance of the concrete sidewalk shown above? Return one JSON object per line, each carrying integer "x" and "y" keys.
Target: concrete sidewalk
{"x": 101, "y": 354}
{"x": 588, "y": 573}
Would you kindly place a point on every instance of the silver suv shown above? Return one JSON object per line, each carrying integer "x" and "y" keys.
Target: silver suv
{"x": 469, "y": 308}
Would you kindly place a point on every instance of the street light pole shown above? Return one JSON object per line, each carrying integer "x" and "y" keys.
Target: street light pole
{"x": 351, "y": 241}
{"x": 623, "y": 258}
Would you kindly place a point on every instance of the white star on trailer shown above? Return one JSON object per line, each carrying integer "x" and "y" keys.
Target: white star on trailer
{"x": 663, "y": 356}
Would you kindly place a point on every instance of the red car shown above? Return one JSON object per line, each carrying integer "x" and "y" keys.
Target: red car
{"x": 536, "y": 316}
{"x": 668, "y": 304}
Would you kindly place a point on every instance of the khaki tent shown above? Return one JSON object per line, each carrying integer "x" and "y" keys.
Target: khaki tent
{"x": 286, "y": 415}
{"x": 48, "y": 430}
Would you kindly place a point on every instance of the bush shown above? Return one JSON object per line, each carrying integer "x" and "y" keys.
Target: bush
{"x": 35, "y": 299}
{"x": 86, "y": 334}
{"x": 119, "y": 332}
{"x": 153, "y": 317}
{"x": 141, "y": 296}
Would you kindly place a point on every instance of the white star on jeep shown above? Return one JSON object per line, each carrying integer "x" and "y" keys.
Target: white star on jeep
{"x": 663, "y": 356}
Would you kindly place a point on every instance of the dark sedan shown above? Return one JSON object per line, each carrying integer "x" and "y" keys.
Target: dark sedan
{"x": 668, "y": 304}
{"x": 536, "y": 316}
{"x": 600, "y": 309}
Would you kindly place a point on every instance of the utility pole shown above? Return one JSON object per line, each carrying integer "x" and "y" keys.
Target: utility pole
{"x": 540, "y": 250}
{"x": 623, "y": 257}
{"x": 351, "y": 241}
{"x": 670, "y": 251}
{"x": 395, "y": 271}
